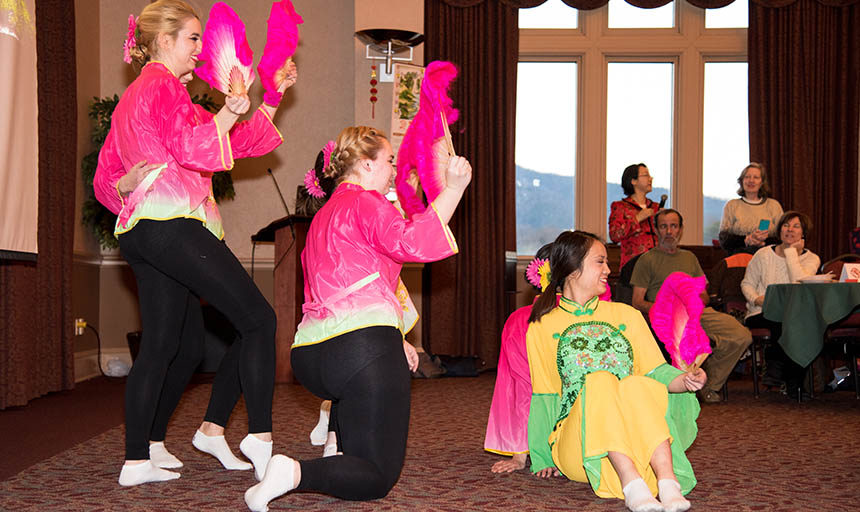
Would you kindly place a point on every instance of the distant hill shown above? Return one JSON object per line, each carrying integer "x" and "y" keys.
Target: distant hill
{"x": 547, "y": 201}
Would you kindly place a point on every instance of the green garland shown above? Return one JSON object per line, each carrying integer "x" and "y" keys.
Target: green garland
{"x": 95, "y": 216}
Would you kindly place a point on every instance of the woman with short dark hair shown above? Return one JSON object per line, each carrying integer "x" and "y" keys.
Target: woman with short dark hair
{"x": 630, "y": 220}
{"x": 786, "y": 262}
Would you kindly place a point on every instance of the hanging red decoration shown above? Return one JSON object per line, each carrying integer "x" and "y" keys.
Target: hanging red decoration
{"x": 373, "y": 91}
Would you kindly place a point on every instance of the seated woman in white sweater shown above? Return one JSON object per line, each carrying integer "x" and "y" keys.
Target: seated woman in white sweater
{"x": 786, "y": 262}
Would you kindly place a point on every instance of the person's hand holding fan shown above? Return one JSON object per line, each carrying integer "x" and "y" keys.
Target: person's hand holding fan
{"x": 227, "y": 58}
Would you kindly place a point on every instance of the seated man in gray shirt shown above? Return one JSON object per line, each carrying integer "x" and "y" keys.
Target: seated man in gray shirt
{"x": 729, "y": 339}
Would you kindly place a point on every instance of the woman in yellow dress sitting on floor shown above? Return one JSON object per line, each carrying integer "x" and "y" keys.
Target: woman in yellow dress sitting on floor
{"x": 606, "y": 408}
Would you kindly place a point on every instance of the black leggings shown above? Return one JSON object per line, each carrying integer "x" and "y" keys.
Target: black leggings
{"x": 365, "y": 375}
{"x": 226, "y": 388}
{"x": 175, "y": 262}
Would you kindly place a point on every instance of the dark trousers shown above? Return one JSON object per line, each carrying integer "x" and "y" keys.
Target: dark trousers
{"x": 779, "y": 365}
{"x": 365, "y": 375}
{"x": 175, "y": 262}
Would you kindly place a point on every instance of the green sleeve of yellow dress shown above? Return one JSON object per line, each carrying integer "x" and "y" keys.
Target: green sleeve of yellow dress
{"x": 681, "y": 417}
{"x": 542, "y": 415}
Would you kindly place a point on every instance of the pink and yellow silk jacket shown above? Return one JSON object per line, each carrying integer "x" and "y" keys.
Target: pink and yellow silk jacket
{"x": 156, "y": 121}
{"x": 356, "y": 246}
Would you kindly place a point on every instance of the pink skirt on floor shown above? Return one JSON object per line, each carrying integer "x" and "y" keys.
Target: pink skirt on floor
{"x": 507, "y": 426}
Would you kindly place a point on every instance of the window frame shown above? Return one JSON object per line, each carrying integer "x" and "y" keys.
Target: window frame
{"x": 593, "y": 45}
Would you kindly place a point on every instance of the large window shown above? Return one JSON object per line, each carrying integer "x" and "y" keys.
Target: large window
{"x": 624, "y": 15}
{"x": 545, "y": 152}
{"x": 639, "y": 117}
{"x": 670, "y": 93}
{"x": 726, "y": 145}
{"x": 550, "y": 14}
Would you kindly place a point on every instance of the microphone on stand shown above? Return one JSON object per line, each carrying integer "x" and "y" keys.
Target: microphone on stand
{"x": 662, "y": 200}
{"x": 283, "y": 202}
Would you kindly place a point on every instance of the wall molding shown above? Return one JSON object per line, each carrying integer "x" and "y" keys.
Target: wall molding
{"x": 116, "y": 260}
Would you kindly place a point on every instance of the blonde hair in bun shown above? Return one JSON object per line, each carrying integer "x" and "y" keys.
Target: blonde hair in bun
{"x": 353, "y": 144}
{"x": 159, "y": 17}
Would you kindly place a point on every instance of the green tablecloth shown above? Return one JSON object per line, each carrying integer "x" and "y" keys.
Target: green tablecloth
{"x": 805, "y": 310}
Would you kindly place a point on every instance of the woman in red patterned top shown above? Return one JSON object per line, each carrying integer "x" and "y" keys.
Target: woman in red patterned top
{"x": 630, "y": 221}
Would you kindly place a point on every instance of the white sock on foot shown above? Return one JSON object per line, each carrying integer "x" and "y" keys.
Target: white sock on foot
{"x": 280, "y": 474}
{"x": 638, "y": 497}
{"x": 320, "y": 432}
{"x": 671, "y": 497}
{"x": 258, "y": 452}
{"x": 330, "y": 448}
{"x": 217, "y": 447}
{"x": 136, "y": 474}
{"x": 162, "y": 458}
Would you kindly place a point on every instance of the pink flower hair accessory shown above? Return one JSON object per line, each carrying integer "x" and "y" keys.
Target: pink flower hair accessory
{"x": 537, "y": 273}
{"x": 327, "y": 150}
{"x": 130, "y": 40}
{"x": 312, "y": 184}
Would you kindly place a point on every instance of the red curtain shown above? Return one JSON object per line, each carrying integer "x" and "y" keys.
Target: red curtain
{"x": 36, "y": 342}
{"x": 804, "y": 92}
{"x": 466, "y": 307}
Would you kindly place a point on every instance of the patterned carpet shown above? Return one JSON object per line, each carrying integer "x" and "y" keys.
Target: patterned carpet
{"x": 769, "y": 454}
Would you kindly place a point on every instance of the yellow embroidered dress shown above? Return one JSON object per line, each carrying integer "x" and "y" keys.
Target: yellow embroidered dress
{"x": 599, "y": 385}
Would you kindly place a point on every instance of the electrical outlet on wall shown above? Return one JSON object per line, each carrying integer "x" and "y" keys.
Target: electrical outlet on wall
{"x": 80, "y": 326}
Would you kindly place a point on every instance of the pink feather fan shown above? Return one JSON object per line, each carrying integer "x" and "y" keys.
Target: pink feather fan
{"x": 282, "y": 39}
{"x": 676, "y": 318}
{"x": 426, "y": 146}
{"x": 227, "y": 58}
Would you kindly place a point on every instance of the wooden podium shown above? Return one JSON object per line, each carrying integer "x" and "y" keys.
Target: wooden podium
{"x": 289, "y": 235}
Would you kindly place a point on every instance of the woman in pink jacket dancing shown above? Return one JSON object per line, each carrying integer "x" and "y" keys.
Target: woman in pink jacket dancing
{"x": 349, "y": 347}
{"x": 170, "y": 232}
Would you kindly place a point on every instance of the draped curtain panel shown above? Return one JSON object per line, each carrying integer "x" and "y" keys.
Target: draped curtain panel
{"x": 36, "y": 330}
{"x": 804, "y": 92}
{"x": 466, "y": 306}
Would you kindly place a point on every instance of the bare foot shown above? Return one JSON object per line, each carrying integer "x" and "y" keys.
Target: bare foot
{"x": 515, "y": 463}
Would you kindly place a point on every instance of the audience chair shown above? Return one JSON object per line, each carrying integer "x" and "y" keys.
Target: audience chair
{"x": 854, "y": 240}
{"x": 624, "y": 290}
{"x": 761, "y": 338}
{"x": 835, "y": 265}
{"x": 847, "y": 330}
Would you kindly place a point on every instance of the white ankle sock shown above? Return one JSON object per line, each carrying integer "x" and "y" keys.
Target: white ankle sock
{"x": 259, "y": 452}
{"x": 136, "y": 474}
{"x": 671, "y": 497}
{"x": 638, "y": 497}
{"x": 162, "y": 458}
{"x": 280, "y": 474}
{"x": 330, "y": 448}
{"x": 319, "y": 433}
{"x": 217, "y": 447}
